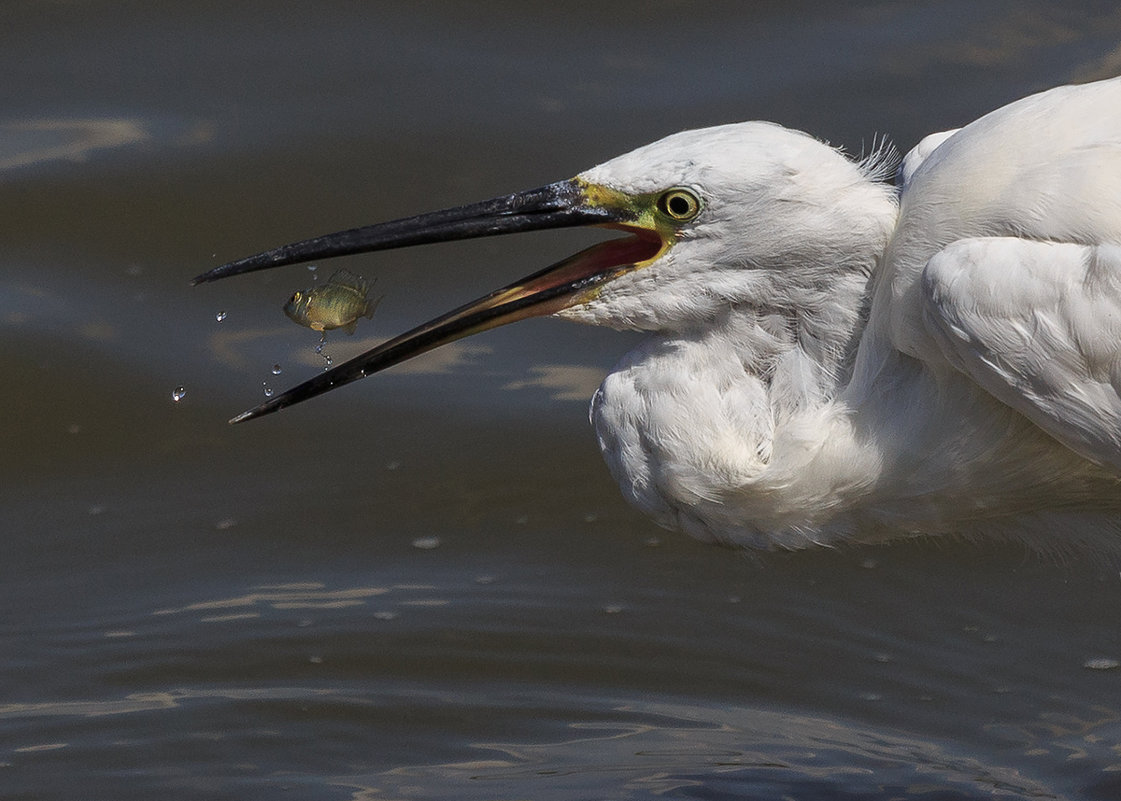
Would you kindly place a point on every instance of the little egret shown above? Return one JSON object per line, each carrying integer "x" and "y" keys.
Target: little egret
{"x": 831, "y": 358}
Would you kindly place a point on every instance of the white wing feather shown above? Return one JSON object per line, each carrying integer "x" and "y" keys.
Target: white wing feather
{"x": 1037, "y": 325}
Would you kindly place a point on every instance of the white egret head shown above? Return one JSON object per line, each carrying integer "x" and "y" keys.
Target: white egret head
{"x": 749, "y": 214}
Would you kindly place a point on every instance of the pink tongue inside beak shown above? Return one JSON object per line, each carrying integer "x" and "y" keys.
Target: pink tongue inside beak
{"x": 598, "y": 261}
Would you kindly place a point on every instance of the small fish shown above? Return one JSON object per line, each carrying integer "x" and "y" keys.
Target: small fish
{"x": 336, "y": 304}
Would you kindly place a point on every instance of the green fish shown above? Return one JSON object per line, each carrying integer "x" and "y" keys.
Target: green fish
{"x": 336, "y": 304}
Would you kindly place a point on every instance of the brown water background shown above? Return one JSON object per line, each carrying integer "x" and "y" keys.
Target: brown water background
{"x": 426, "y": 585}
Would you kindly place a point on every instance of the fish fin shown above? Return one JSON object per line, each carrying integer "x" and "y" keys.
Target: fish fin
{"x": 351, "y": 326}
{"x": 371, "y": 307}
{"x": 345, "y": 277}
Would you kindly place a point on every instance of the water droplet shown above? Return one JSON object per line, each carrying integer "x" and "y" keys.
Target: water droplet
{"x": 426, "y": 543}
{"x": 178, "y": 394}
{"x": 276, "y": 369}
{"x": 328, "y": 361}
{"x": 385, "y": 615}
{"x": 312, "y": 268}
{"x": 319, "y": 347}
{"x": 220, "y": 316}
{"x": 267, "y": 388}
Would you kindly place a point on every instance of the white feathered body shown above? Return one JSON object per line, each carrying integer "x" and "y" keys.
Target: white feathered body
{"x": 853, "y": 366}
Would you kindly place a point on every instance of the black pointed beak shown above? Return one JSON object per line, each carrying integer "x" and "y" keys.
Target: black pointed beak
{"x": 571, "y": 281}
{"x": 558, "y": 205}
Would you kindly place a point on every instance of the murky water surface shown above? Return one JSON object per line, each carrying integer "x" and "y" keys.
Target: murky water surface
{"x": 425, "y": 585}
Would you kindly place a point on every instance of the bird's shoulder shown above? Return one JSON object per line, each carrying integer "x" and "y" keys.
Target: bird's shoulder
{"x": 1046, "y": 168}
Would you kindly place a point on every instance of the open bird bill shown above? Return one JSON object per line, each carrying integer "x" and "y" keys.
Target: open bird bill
{"x": 568, "y": 282}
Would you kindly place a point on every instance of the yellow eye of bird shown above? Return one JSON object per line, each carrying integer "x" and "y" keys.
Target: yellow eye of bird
{"x": 680, "y": 205}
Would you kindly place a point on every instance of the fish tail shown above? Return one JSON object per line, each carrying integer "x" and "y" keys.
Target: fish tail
{"x": 371, "y": 307}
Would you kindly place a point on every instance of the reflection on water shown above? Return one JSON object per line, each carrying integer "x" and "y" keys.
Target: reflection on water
{"x": 495, "y": 678}
{"x": 34, "y": 142}
{"x": 635, "y": 749}
{"x": 302, "y": 595}
{"x": 673, "y": 751}
{"x": 147, "y": 702}
{"x": 564, "y": 382}
{"x": 28, "y": 142}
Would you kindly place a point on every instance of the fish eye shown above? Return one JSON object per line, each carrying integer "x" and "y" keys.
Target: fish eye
{"x": 295, "y": 297}
{"x": 679, "y": 204}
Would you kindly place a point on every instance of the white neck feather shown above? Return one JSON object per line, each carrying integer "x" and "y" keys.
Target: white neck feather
{"x": 711, "y": 429}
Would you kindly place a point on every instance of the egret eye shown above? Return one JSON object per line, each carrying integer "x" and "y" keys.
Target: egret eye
{"x": 680, "y": 205}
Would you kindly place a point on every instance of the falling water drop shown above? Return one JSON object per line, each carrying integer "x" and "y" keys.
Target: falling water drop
{"x": 267, "y": 388}
{"x": 319, "y": 351}
{"x": 276, "y": 369}
{"x": 220, "y": 316}
{"x": 178, "y": 394}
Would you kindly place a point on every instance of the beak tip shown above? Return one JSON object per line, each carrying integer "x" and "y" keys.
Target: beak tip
{"x": 207, "y": 277}
{"x": 266, "y": 408}
{"x": 241, "y": 418}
